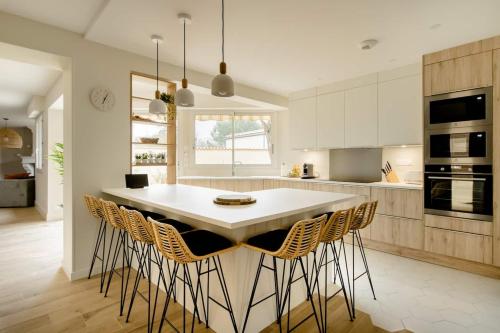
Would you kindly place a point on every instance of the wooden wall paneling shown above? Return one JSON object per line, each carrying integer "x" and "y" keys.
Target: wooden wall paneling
{"x": 382, "y": 228}
{"x": 461, "y": 50}
{"x": 409, "y": 233}
{"x": 458, "y": 224}
{"x": 171, "y": 137}
{"x": 496, "y": 155}
{"x": 427, "y": 79}
{"x": 413, "y": 204}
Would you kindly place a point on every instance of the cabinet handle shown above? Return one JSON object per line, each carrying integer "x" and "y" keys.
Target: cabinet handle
{"x": 459, "y": 179}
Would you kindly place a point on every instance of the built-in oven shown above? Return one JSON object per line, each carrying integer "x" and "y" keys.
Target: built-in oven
{"x": 464, "y": 191}
{"x": 459, "y": 109}
{"x": 460, "y": 145}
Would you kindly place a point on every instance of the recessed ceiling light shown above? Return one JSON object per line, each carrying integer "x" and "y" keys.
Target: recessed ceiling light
{"x": 368, "y": 44}
{"x": 435, "y": 26}
{"x": 392, "y": 60}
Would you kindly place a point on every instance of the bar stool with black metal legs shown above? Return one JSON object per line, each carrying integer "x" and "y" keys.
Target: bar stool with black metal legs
{"x": 142, "y": 236}
{"x": 363, "y": 217}
{"x": 194, "y": 247}
{"x": 335, "y": 229}
{"x": 95, "y": 209}
{"x": 290, "y": 245}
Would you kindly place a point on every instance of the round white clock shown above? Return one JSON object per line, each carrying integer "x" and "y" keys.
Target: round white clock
{"x": 102, "y": 98}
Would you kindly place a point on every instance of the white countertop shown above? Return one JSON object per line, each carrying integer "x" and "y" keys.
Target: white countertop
{"x": 314, "y": 180}
{"x": 197, "y": 203}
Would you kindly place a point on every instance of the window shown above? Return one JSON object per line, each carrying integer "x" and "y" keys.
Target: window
{"x": 39, "y": 142}
{"x": 242, "y": 139}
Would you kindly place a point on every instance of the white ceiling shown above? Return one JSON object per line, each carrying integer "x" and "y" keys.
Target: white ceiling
{"x": 19, "y": 82}
{"x": 280, "y": 45}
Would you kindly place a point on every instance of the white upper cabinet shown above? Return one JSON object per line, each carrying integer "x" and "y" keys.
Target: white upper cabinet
{"x": 400, "y": 111}
{"x": 303, "y": 123}
{"x": 330, "y": 120}
{"x": 361, "y": 118}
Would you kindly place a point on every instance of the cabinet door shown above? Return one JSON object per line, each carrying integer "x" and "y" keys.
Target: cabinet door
{"x": 400, "y": 111}
{"x": 473, "y": 71}
{"x": 223, "y": 184}
{"x": 409, "y": 233}
{"x": 248, "y": 185}
{"x": 390, "y": 201}
{"x": 361, "y": 117}
{"x": 458, "y": 244}
{"x": 413, "y": 204}
{"x": 382, "y": 228}
{"x": 330, "y": 119}
{"x": 303, "y": 123}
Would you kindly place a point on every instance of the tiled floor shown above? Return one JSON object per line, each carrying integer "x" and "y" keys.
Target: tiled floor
{"x": 423, "y": 298}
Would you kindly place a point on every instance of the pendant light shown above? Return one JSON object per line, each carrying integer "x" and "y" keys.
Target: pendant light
{"x": 157, "y": 106}
{"x": 10, "y": 138}
{"x": 222, "y": 84}
{"x": 184, "y": 96}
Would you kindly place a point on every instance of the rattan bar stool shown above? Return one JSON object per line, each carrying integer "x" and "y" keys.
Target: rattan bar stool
{"x": 335, "y": 229}
{"x": 363, "y": 217}
{"x": 194, "y": 247}
{"x": 95, "y": 209}
{"x": 141, "y": 233}
{"x": 290, "y": 245}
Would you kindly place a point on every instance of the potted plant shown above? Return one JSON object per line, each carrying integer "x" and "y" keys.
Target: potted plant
{"x": 167, "y": 98}
{"x": 160, "y": 158}
{"x": 138, "y": 158}
{"x": 151, "y": 158}
{"x": 144, "y": 158}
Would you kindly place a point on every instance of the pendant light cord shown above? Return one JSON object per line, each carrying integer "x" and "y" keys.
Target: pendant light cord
{"x": 184, "y": 48}
{"x": 222, "y": 30}
{"x": 157, "y": 64}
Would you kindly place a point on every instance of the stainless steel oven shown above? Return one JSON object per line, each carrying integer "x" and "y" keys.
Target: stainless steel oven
{"x": 464, "y": 191}
{"x": 459, "y": 109}
{"x": 461, "y": 145}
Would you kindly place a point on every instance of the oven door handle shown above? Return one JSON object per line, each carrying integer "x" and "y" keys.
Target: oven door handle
{"x": 461, "y": 179}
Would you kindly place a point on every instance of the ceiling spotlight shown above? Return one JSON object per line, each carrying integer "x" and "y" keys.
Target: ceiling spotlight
{"x": 368, "y": 44}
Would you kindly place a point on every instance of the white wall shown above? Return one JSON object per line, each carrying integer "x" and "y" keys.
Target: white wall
{"x": 407, "y": 162}
{"x": 97, "y": 143}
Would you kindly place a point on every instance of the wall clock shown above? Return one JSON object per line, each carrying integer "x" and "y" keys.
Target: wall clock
{"x": 102, "y": 98}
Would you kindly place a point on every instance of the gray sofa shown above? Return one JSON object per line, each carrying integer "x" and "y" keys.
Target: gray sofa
{"x": 17, "y": 192}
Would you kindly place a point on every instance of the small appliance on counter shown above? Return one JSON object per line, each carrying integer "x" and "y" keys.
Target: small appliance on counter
{"x": 307, "y": 171}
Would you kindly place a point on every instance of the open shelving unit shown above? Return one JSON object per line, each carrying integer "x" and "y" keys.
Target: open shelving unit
{"x": 158, "y": 160}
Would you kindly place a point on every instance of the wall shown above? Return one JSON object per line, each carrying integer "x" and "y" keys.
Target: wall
{"x": 407, "y": 162}
{"x": 9, "y": 161}
{"x": 97, "y": 143}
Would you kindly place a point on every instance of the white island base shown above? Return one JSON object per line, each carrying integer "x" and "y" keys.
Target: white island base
{"x": 274, "y": 209}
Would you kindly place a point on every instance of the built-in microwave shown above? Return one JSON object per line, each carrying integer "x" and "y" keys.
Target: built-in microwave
{"x": 460, "y": 145}
{"x": 459, "y": 109}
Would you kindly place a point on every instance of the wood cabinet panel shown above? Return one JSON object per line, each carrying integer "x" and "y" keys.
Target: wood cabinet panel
{"x": 223, "y": 184}
{"x": 400, "y": 111}
{"x": 427, "y": 80}
{"x": 303, "y": 123}
{"x": 413, "y": 204}
{"x": 382, "y": 228}
{"x": 458, "y": 224}
{"x": 248, "y": 185}
{"x": 463, "y": 50}
{"x": 473, "y": 71}
{"x": 496, "y": 156}
{"x": 458, "y": 244}
{"x": 409, "y": 233}
{"x": 330, "y": 120}
{"x": 361, "y": 117}
{"x": 390, "y": 201}
{"x": 269, "y": 184}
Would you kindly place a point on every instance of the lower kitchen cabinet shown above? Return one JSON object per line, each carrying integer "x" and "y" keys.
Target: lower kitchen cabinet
{"x": 398, "y": 231}
{"x": 458, "y": 244}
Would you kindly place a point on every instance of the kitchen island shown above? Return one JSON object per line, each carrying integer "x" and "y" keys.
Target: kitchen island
{"x": 276, "y": 208}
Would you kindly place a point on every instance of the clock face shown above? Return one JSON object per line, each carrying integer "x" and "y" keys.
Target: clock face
{"x": 102, "y": 98}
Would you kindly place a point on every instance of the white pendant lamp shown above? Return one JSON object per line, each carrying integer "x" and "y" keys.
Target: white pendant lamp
{"x": 222, "y": 84}
{"x": 184, "y": 96}
{"x": 10, "y": 138}
{"x": 157, "y": 106}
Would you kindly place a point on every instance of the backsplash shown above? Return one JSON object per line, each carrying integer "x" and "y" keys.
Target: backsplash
{"x": 407, "y": 162}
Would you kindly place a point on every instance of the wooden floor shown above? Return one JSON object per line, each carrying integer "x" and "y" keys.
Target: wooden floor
{"x": 36, "y": 296}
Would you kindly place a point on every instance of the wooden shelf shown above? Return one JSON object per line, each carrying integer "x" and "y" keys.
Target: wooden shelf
{"x": 149, "y": 122}
{"x": 149, "y": 144}
{"x": 149, "y": 164}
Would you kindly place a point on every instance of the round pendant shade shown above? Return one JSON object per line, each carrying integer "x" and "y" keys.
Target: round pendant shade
{"x": 222, "y": 86}
{"x": 157, "y": 106}
{"x": 184, "y": 97}
{"x": 10, "y": 138}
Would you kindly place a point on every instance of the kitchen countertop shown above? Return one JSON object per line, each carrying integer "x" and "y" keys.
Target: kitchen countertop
{"x": 314, "y": 180}
{"x": 197, "y": 203}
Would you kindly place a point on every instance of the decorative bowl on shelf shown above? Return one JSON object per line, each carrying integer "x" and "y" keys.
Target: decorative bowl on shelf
{"x": 149, "y": 140}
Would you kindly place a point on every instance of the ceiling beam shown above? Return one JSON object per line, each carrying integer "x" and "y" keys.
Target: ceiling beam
{"x": 96, "y": 17}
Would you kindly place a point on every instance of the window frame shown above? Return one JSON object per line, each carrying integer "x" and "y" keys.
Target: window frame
{"x": 192, "y": 134}
{"x": 39, "y": 128}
